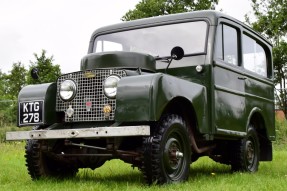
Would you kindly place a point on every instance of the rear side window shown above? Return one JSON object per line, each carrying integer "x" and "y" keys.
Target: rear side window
{"x": 254, "y": 56}
{"x": 227, "y": 44}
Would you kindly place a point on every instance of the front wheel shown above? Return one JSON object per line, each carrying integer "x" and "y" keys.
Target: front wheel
{"x": 167, "y": 153}
{"x": 40, "y": 165}
{"x": 246, "y": 156}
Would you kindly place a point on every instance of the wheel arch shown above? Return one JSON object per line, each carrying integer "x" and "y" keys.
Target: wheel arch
{"x": 184, "y": 108}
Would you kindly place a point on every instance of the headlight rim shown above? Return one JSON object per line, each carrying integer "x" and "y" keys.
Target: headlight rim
{"x": 113, "y": 96}
{"x": 75, "y": 88}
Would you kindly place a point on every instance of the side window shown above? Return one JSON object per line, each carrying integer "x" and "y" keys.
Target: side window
{"x": 227, "y": 44}
{"x": 254, "y": 56}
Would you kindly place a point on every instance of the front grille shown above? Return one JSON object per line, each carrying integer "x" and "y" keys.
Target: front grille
{"x": 89, "y": 89}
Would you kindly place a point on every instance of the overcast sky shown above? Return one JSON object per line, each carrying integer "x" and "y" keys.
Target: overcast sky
{"x": 63, "y": 27}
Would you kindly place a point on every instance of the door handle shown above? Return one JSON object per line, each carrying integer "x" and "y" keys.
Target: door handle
{"x": 241, "y": 78}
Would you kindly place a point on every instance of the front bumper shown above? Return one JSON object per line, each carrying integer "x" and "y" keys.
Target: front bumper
{"x": 97, "y": 132}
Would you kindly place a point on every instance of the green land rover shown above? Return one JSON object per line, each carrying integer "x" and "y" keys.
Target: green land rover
{"x": 157, "y": 93}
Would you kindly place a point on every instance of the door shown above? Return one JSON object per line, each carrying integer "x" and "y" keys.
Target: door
{"x": 229, "y": 80}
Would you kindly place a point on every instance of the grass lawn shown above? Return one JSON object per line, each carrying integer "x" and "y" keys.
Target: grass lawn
{"x": 116, "y": 175}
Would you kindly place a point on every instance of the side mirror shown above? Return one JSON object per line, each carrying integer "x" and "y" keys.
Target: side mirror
{"x": 177, "y": 53}
{"x": 35, "y": 73}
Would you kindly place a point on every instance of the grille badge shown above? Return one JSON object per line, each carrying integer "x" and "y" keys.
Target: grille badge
{"x": 70, "y": 111}
{"x": 88, "y": 105}
{"x": 89, "y": 74}
{"x": 107, "y": 109}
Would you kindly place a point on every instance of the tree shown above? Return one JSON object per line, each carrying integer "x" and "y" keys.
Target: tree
{"x": 271, "y": 18}
{"x": 11, "y": 84}
{"x": 3, "y": 97}
{"x": 48, "y": 72}
{"x": 2, "y": 84}
{"x": 150, "y": 8}
{"x": 15, "y": 80}
{"x": 271, "y": 21}
{"x": 280, "y": 60}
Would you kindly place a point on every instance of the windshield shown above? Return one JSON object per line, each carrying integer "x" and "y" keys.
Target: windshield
{"x": 156, "y": 41}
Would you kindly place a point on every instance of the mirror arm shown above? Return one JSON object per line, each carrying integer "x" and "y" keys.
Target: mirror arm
{"x": 169, "y": 62}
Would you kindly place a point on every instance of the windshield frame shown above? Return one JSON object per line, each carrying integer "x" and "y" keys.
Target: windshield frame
{"x": 169, "y": 23}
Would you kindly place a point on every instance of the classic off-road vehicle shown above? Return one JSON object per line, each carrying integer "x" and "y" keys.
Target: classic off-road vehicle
{"x": 157, "y": 93}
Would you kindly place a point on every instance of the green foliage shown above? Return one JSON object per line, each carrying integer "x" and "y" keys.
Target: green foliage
{"x": 280, "y": 61}
{"x": 47, "y": 71}
{"x": 8, "y": 112}
{"x": 281, "y": 134}
{"x": 17, "y": 78}
{"x": 271, "y": 18}
{"x": 280, "y": 58}
{"x": 11, "y": 84}
{"x": 2, "y": 84}
{"x": 5, "y": 111}
{"x": 271, "y": 21}
{"x": 150, "y": 8}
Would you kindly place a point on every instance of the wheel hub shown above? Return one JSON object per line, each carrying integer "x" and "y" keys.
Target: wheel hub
{"x": 173, "y": 155}
{"x": 179, "y": 155}
{"x": 249, "y": 152}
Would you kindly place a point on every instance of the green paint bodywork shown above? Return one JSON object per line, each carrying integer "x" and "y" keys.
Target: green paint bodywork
{"x": 224, "y": 104}
{"x": 42, "y": 92}
{"x": 144, "y": 98}
{"x": 118, "y": 60}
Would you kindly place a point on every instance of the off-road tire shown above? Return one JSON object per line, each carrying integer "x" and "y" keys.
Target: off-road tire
{"x": 246, "y": 153}
{"x": 167, "y": 152}
{"x": 39, "y": 165}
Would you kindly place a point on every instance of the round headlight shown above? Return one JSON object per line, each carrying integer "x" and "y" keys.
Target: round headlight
{"x": 110, "y": 86}
{"x": 68, "y": 90}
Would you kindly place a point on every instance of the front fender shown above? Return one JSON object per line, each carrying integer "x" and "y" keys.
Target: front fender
{"x": 41, "y": 92}
{"x": 144, "y": 98}
{"x": 134, "y": 98}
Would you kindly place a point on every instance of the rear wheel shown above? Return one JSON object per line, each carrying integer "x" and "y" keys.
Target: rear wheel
{"x": 246, "y": 156}
{"x": 40, "y": 165}
{"x": 167, "y": 153}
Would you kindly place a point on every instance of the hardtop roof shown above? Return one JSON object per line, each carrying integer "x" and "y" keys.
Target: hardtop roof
{"x": 210, "y": 15}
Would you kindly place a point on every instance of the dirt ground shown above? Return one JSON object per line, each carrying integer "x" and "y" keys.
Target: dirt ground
{"x": 279, "y": 114}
